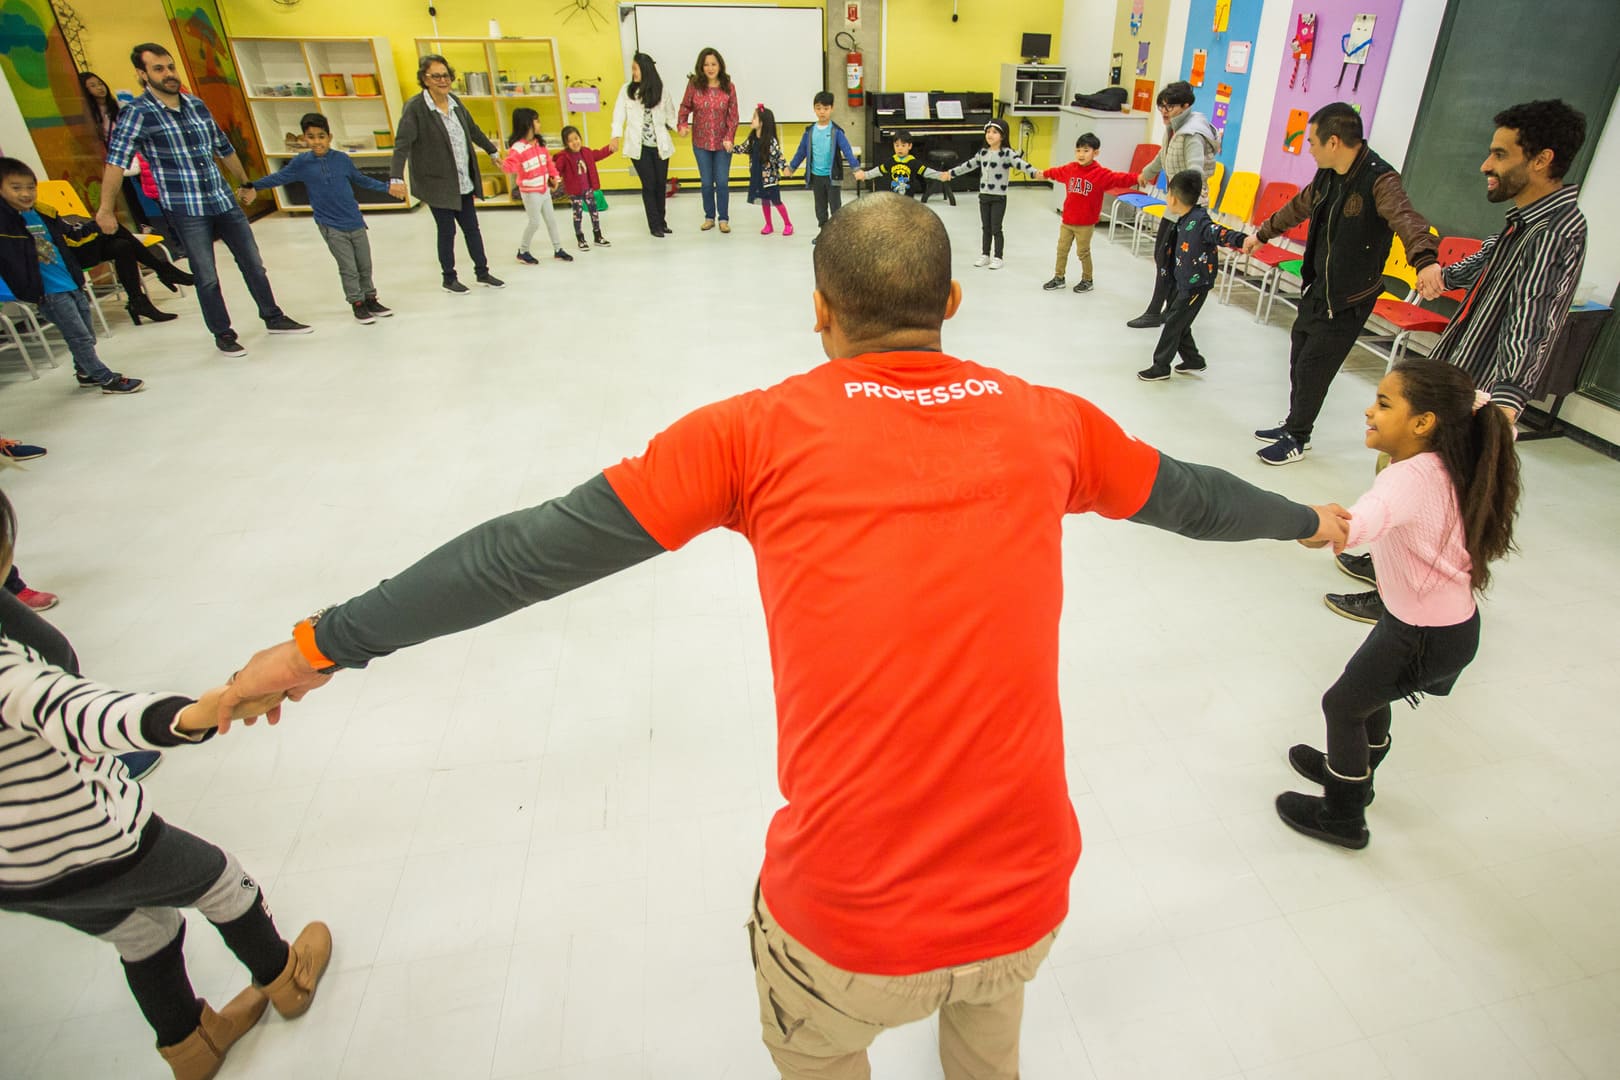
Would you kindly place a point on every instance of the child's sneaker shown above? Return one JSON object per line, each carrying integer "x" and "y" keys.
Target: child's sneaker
{"x": 362, "y": 313}
{"x": 229, "y": 345}
{"x": 995, "y": 263}
{"x": 1084, "y": 286}
{"x": 375, "y": 306}
{"x": 562, "y": 256}
{"x": 1054, "y": 284}
{"x": 526, "y": 259}
{"x": 601, "y": 241}
{"x": 982, "y": 260}
{"x": 118, "y": 384}
{"x": 1153, "y": 374}
{"x": 489, "y": 281}
{"x": 38, "y": 600}
{"x": 582, "y": 245}
{"x": 1187, "y": 367}
{"x": 13, "y": 450}
{"x": 86, "y": 382}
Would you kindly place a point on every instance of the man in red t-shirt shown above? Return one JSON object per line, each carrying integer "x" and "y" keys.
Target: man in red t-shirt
{"x": 905, "y": 509}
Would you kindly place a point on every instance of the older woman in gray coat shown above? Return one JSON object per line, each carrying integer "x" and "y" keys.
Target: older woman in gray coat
{"x": 437, "y": 138}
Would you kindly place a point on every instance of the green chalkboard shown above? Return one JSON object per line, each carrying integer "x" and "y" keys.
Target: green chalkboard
{"x": 1491, "y": 54}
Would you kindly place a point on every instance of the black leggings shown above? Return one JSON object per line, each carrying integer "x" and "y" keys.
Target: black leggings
{"x": 992, "y": 209}
{"x": 1396, "y": 661}
{"x": 654, "y": 174}
{"x": 126, "y": 253}
{"x": 447, "y": 220}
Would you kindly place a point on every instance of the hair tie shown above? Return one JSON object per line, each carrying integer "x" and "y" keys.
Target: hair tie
{"x": 1481, "y": 399}
{"x": 759, "y": 107}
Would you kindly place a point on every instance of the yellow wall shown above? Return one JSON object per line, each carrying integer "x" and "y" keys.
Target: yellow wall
{"x": 926, "y": 51}
{"x": 1155, "y": 24}
{"x": 112, "y": 27}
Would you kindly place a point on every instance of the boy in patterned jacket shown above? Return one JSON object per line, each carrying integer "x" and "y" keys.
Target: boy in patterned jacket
{"x": 1187, "y": 258}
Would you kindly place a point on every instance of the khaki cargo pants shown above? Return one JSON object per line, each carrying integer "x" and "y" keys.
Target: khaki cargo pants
{"x": 818, "y": 1020}
{"x": 1080, "y": 237}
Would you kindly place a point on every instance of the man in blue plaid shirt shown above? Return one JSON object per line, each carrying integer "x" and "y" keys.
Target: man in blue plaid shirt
{"x": 179, "y": 139}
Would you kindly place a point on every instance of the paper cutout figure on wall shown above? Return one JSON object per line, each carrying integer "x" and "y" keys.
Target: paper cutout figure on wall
{"x": 1116, "y": 70}
{"x": 1223, "y": 15}
{"x": 1142, "y": 100}
{"x": 1294, "y": 130}
{"x": 1356, "y": 45}
{"x": 1223, "y": 105}
{"x": 1136, "y": 17}
{"x": 1200, "y": 59}
{"x": 1302, "y": 48}
{"x": 1142, "y": 57}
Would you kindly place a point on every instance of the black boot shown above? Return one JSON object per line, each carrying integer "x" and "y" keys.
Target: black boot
{"x": 1338, "y": 817}
{"x": 141, "y": 307}
{"x": 171, "y": 275}
{"x": 1311, "y": 763}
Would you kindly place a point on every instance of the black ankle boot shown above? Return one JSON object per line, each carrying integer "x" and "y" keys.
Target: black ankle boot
{"x": 1311, "y": 763}
{"x": 171, "y": 275}
{"x": 141, "y": 307}
{"x": 1338, "y": 817}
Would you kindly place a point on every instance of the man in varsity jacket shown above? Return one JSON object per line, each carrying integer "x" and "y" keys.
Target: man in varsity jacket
{"x": 914, "y": 638}
{"x": 1355, "y": 205}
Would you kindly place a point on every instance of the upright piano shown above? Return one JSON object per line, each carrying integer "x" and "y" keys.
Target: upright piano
{"x": 935, "y": 138}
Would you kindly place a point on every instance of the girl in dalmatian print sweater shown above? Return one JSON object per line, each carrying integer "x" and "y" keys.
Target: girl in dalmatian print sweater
{"x": 995, "y": 163}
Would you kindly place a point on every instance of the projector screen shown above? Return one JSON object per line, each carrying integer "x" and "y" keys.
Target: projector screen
{"x": 774, "y": 55}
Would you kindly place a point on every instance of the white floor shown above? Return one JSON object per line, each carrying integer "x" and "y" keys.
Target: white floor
{"x": 535, "y": 842}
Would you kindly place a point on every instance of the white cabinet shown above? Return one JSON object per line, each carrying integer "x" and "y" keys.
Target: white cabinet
{"x": 1033, "y": 89}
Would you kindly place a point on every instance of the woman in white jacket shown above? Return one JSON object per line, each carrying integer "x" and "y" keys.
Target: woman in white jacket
{"x": 643, "y": 117}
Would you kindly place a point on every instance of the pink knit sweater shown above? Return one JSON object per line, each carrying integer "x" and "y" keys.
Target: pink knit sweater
{"x": 532, "y": 165}
{"x": 1413, "y": 524}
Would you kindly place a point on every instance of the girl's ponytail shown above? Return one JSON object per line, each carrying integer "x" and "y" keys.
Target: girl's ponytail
{"x": 1475, "y": 441}
{"x": 524, "y": 122}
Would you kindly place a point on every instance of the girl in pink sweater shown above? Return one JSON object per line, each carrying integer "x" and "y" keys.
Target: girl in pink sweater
{"x": 530, "y": 164}
{"x": 1435, "y": 519}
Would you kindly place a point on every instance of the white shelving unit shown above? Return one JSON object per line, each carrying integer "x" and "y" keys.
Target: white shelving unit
{"x": 516, "y": 72}
{"x": 1033, "y": 89}
{"x": 283, "y": 81}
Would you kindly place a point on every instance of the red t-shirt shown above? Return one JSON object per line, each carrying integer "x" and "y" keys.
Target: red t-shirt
{"x": 1086, "y": 185}
{"x": 906, "y": 514}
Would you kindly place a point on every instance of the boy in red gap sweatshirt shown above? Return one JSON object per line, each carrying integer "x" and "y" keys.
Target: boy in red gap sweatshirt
{"x": 1086, "y": 183}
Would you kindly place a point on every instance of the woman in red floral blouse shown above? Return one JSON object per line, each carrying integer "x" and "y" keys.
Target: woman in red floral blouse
{"x": 709, "y": 112}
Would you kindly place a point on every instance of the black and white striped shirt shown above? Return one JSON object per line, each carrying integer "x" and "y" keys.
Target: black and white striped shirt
{"x": 66, "y": 803}
{"x": 1521, "y": 283}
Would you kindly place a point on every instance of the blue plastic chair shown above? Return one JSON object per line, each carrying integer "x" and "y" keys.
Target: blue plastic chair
{"x": 1137, "y": 201}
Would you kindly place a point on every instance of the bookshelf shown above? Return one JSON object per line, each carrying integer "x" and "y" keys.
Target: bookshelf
{"x": 497, "y": 75}
{"x": 349, "y": 80}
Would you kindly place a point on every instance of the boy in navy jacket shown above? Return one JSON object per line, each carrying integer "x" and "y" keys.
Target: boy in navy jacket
{"x": 1191, "y": 261}
{"x": 825, "y": 144}
{"x": 329, "y": 176}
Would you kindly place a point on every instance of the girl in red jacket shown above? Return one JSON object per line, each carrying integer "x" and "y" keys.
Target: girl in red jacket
{"x": 577, "y": 163}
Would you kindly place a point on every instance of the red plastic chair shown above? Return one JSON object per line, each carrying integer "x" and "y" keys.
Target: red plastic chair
{"x": 1273, "y": 197}
{"x": 1403, "y": 318}
{"x": 1144, "y": 153}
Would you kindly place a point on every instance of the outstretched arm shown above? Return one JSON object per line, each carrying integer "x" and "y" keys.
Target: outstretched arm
{"x": 1205, "y": 503}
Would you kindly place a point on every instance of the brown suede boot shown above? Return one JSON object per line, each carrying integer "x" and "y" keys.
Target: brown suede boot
{"x": 203, "y": 1051}
{"x": 307, "y": 958}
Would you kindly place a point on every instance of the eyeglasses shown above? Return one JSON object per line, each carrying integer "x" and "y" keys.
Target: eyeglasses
{"x": 438, "y": 75}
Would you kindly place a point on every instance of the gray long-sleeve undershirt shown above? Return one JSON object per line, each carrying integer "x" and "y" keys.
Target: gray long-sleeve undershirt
{"x": 527, "y": 556}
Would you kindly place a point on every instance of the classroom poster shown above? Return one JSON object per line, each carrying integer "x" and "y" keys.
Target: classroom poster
{"x": 1136, "y": 17}
{"x": 1219, "y": 94}
{"x": 1223, "y": 105}
{"x": 1237, "y": 57}
{"x": 1223, "y": 15}
{"x": 1200, "y": 59}
{"x": 1142, "y": 59}
{"x": 1142, "y": 100}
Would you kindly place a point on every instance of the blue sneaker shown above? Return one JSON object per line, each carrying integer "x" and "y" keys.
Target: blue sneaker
{"x": 1272, "y": 434}
{"x": 141, "y": 763}
{"x": 1285, "y": 451}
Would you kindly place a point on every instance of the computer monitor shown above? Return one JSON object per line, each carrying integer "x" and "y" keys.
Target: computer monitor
{"x": 1036, "y": 47}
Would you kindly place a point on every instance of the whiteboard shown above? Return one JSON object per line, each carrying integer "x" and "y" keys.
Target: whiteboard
{"x": 774, "y": 55}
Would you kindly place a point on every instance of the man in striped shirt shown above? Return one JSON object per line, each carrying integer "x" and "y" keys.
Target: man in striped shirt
{"x": 1520, "y": 282}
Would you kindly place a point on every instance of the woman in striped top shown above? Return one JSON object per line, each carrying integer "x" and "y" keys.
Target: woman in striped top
{"x": 81, "y": 845}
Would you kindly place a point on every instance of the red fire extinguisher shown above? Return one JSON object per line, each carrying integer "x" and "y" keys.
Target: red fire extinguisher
{"x": 854, "y": 71}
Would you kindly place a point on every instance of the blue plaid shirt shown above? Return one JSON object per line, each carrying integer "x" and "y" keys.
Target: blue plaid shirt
{"x": 179, "y": 146}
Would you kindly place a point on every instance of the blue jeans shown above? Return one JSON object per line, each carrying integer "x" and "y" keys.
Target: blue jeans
{"x": 70, "y": 311}
{"x": 714, "y": 177}
{"x": 198, "y": 233}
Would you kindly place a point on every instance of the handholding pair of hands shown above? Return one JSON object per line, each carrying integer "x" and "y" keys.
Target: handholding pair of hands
{"x": 1332, "y": 528}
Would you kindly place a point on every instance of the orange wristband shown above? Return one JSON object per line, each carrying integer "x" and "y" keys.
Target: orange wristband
{"x": 304, "y": 637}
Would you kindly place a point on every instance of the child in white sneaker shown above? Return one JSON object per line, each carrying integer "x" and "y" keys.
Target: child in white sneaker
{"x": 995, "y": 162}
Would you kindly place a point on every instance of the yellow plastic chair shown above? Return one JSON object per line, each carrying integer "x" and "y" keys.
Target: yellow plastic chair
{"x": 60, "y": 196}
